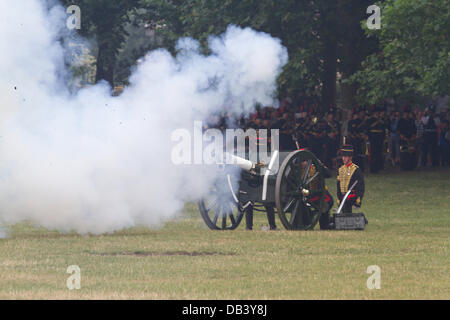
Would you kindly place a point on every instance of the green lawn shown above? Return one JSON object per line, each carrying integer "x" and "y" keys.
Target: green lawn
{"x": 408, "y": 237}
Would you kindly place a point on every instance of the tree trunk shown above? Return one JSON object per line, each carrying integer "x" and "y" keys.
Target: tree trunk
{"x": 348, "y": 94}
{"x": 329, "y": 78}
{"x": 352, "y": 60}
{"x": 105, "y": 65}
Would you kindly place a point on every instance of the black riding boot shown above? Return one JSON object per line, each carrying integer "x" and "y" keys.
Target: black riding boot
{"x": 249, "y": 217}
{"x": 271, "y": 218}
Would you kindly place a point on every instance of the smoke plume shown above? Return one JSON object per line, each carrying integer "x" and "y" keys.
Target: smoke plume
{"x": 90, "y": 162}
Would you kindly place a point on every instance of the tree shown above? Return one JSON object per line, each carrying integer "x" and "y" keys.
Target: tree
{"x": 415, "y": 53}
{"x": 322, "y": 37}
{"x": 353, "y": 47}
{"x": 105, "y": 20}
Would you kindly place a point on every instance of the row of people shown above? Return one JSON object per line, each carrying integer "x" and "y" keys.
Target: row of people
{"x": 407, "y": 137}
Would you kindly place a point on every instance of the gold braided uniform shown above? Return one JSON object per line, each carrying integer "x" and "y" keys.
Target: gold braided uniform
{"x": 347, "y": 175}
{"x": 344, "y": 175}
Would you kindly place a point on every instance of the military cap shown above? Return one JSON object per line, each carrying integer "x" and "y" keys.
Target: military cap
{"x": 346, "y": 151}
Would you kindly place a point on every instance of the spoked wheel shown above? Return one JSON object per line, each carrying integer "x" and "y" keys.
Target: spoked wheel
{"x": 300, "y": 191}
{"x": 219, "y": 209}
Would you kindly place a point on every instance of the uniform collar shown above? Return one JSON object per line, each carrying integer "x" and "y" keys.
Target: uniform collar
{"x": 348, "y": 165}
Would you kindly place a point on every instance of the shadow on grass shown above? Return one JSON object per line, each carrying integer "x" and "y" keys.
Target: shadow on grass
{"x": 161, "y": 253}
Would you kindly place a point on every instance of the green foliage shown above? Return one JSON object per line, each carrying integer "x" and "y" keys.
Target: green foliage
{"x": 304, "y": 27}
{"x": 105, "y": 21}
{"x": 322, "y": 37}
{"x": 415, "y": 56}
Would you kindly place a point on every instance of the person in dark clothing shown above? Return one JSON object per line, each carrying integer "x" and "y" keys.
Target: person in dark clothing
{"x": 349, "y": 174}
{"x": 444, "y": 143}
{"x": 317, "y": 139}
{"x": 406, "y": 125}
{"x": 430, "y": 138}
{"x": 394, "y": 138}
{"x": 301, "y": 131}
{"x": 325, "y": 220}
{"x": 385, "y": 143}
{"x": 407, "y": 131}
{"x": 376, "y": 132}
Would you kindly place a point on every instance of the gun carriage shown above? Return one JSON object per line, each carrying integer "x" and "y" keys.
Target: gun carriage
{"x": 296, "y": 187}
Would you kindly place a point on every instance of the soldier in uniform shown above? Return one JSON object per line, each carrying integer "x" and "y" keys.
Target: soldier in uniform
{"x": 430, "y": 137}
{"x": 301, "y": 128}
{"x": 348, "y": 174}
{"x": 317, "y": 131}
{"x": 376, "y": 130}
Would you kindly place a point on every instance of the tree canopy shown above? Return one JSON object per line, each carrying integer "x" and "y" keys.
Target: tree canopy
{"x": 333, "y": 57}
{"x": 322, "y": 37}
{"x": 105, "y": 21}
{"x": 414, "y": 60}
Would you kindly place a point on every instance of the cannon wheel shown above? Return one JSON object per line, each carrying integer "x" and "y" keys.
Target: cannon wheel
{"x": 300, "y": 191}
{"x": 219, "y": 210}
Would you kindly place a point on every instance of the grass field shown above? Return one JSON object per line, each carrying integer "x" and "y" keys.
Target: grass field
{"x": 408, "y": 237}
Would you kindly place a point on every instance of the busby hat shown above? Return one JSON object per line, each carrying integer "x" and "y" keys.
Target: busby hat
{"x": 346, "y": 151}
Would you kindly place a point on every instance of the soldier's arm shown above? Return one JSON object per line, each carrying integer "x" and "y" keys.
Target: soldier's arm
{"x": 338, "y": 190}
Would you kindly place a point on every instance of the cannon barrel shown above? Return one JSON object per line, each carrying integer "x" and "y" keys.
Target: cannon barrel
{"x": 244, "y": 164}
{"x": 247, "y": 165}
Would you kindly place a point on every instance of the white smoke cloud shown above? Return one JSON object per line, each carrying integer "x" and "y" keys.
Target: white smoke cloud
{"x": 93, "y": 163}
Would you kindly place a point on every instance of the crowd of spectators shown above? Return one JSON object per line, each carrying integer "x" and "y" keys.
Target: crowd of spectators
{"x": 397, "y": 136}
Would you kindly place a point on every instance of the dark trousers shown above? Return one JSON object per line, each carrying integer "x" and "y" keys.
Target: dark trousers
{"x": 430, "y": 146}
{"x": 270, "y": 217}
{"x": 348, "y": 205}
